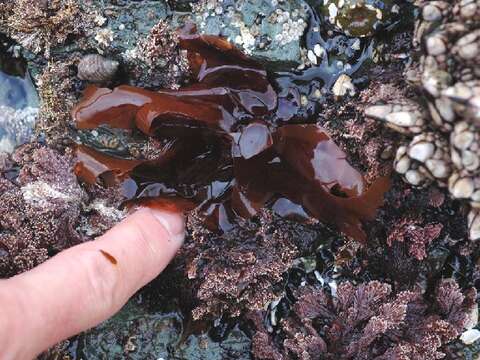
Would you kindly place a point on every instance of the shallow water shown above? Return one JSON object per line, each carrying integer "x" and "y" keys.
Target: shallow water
{"x": 18, "y": 99}
{"x": 156, "y": 331}
{"x": 16, "y": 87}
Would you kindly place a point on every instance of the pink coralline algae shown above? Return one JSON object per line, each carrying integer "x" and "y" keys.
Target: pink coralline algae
{"x": 416, "y": 236}
{"x": 43, "y": 208}
{"x": 40, "y": 204}
{"x": 367, "y": 321}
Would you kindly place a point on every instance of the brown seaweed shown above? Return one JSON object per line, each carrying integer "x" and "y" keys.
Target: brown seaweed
{"x": 227, "y": 156}
{"x": 229, "y": 88}
{"x": 93, "y": 165}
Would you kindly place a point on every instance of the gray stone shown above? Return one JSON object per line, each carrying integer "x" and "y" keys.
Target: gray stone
{"x": 17, "y": 92}
{"x": 269, "y": 30}
{"x": 123, "y": 24}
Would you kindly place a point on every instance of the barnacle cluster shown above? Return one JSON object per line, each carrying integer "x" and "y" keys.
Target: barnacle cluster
{"x": 268, "y": 29}
{"x": 444, "y": 123}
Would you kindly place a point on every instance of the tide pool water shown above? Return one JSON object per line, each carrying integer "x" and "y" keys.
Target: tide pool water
{"x": 18, "y": 100}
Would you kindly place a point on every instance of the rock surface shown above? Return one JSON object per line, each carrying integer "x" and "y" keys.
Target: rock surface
{"x": 269, "y": 30}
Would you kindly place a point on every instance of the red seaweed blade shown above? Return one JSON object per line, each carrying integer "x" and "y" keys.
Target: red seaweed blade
{"x": 226, "y": 162}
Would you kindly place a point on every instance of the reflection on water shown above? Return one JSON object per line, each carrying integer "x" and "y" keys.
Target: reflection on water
{"x": 155, "y": 331}
{"x": 16, "y": 91}
{"x": 18, "y": 99}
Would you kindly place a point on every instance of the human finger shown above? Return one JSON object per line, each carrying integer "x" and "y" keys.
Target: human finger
{"x": 88, "y": 283}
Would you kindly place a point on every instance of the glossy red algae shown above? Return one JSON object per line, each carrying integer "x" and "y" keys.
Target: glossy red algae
{"x": 227, "y": 160}
{"x": 230, "y": 88}
{"x": 92, "y": 165}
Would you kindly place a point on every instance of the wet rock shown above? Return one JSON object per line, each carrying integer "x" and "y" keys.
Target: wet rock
{"x": 157, "y": 60}
{"x": 123, "y": 32}
{"x": 134, "y": 332}
{"x": 269, "y": 30}
{"x": 16, "y": 126}
{"x": 16, "y": 87}
{"x": 112, "y": 29}
{"x": 18, "y": 99}
{"x": 17, "y": 91}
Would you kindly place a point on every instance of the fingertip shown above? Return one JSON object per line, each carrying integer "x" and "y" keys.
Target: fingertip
{"x": 172, "y": 222}
{"x": 146, "y": 240}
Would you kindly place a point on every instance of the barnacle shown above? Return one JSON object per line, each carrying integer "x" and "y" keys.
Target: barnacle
{"x": 445, "y": 146}
{"x": 225, "y": 152}
{"x": 405, "y": 117}
{"x": 426, "y": 157}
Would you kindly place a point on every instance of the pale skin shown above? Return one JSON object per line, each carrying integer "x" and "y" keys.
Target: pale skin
{"x": 86, "y": 284}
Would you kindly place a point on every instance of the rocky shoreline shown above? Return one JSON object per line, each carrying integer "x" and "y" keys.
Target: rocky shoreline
{"x": 271, "y": 287}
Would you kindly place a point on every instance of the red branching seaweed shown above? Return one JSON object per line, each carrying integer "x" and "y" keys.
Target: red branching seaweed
{"x": 225, "y": 153}
{"x": 366, "y": 321}
{"x": 416, "y": 236}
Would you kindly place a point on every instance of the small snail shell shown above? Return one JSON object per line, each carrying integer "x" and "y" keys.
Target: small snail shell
{"x": 96, "y": 68}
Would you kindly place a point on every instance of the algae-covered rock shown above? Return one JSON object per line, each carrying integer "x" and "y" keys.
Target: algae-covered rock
{"x": 41, "y": 26}
{"x": 134, "y": 332}
{"x": 121, "y": 24}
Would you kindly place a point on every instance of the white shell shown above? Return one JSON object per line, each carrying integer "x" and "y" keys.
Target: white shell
{"x": 421, "y": 151}
{"x": 461, "y": 188}
{"x": 470, "y": 336}
{"x": 312, "y": 57}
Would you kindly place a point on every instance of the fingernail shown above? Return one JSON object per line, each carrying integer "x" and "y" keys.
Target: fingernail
{"x": 174, "y": 223}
